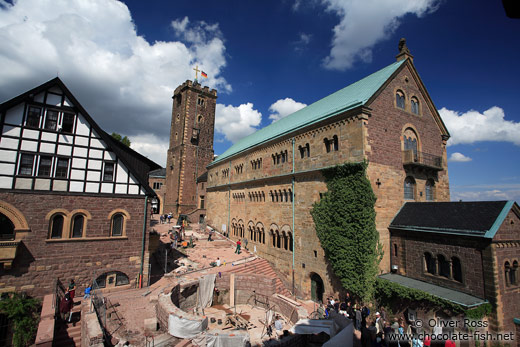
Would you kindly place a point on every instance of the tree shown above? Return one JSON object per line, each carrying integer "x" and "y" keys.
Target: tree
{"x": 22, "y": 312}
{"x": 124, "y": 140}
{"x": 345, "y": 225}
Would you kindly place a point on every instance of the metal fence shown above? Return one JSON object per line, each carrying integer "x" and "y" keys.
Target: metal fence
{"x": 98, "y": 304}
{"x": 59, "y": 293}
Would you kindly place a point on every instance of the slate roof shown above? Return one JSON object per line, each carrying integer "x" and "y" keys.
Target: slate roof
{"x": 350, "y": 97}
{"x": 452, "y": 295}
{"x": 474, "y": 218}
{"x": 158, "y": 173}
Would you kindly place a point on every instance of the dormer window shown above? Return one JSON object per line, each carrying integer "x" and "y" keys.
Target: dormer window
{"x": 399, "y": 99}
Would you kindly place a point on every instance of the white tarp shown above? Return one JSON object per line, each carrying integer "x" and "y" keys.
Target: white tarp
{"x": 221, "y": 339}
{"x": 186, "y": 328}
{"x": 205, "y": 291}
{"x": 343, "y": 339}
{"x": 314, "y": 326}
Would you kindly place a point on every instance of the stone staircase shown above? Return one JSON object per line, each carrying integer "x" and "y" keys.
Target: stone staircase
{"x": 262, "y": 266}
{"x": 69, "y": 334}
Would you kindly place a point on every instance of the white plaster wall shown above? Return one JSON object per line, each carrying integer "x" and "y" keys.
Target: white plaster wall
{"x": 83, "y": 128}
{"x": 65, "y": 150}
{"x": 133, "y": 189}
{"x": 23, "y": 183}
{"x": 29, "y": 146}
{"x": 92, "y": 187}
{"x": 77, "y": 174}
{"x": 14, "y": 115}
{"x": 6, "y": 182}
{"x": 9, "y": 156}
{"x": 53, "y": 99}
{"x": 11, "y": 130}
{"x": 97, "y": 143}
{"x": 9, "y": 143}
{"x": 66, "y": 139}
{"x": 107, "y": 187}
{"x": 60, "y": 186}
{"x": 82, "y": 141}
{"x": 76, "y": 186}
{"x": 93, "y": 176}
{"x": 47, "y": 147}
{"x": 49, "y": 136}
{"x": 79, "y": 163}
{"x": 67, "y": 102}
{"x": 94, "y": 164}
{"x": 80, "y": 152}
{"x": 7, "y": 169}
{"x": 122, "y": 174}
{"x": 110, "y": 156}
{"x": 30, "y": 134}
{"x": 121, "y": 188}
{"x": 94, "y": 153}
{"x": 42, "y": 184}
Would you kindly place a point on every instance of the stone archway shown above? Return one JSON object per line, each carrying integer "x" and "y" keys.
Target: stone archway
{"x": 15, "y": 216}
{"x": 317, "y": 287}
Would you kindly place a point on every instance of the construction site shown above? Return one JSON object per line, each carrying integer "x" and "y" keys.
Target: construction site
{"x": 208, "y": 295}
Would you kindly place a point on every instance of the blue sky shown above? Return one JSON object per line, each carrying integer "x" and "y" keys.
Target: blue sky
{"x": 122, "y": 60}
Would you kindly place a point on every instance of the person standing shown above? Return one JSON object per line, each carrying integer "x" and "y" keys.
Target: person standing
{"x": 72, "y": 289}
{"x": 237, "y": 250}
{"x": 210, "y": 234}
{"x": 66, "y": 307}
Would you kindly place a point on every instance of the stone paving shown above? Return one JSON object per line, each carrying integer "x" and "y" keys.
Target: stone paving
{"x": 134, "y": 306}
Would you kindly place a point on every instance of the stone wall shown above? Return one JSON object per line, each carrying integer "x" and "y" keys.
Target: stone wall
{"x": 91, "y": 332}
{"x": 410, "y": 258}
{"x": 45, "y": 333}
{"x": 40, "y": 260}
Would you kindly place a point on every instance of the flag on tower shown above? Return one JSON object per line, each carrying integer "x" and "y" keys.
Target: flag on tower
{"x": 203, "y": 74}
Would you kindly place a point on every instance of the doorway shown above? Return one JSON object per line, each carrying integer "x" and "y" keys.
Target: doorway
{"x": 317, "y": 288}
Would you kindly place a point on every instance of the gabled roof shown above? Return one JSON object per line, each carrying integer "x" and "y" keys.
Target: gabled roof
{"x": 474, "y": 218}
{"x": 350, "y": 97}
{"x": 137, "y": 164}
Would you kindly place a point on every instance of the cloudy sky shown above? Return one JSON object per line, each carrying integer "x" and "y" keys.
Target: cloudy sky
{"x": 122, "y": 61}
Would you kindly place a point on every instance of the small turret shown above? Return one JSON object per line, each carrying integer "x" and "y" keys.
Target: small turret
{"x": 404, "y": 52}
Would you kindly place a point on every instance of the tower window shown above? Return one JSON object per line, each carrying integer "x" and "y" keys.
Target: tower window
{"x": 409, "y": 188}
{"x": 415, "y": 105}
{"x": 399, "y": 99}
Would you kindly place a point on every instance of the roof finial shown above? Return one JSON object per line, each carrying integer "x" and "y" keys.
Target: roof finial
{"x": 404, "y": 52}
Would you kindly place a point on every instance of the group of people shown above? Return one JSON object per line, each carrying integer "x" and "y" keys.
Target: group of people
{"x": 163, "y": 218}
{"x": 67, "y": 302}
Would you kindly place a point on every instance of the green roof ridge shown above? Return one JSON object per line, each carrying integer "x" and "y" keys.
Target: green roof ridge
{"x": 353, "y": 95}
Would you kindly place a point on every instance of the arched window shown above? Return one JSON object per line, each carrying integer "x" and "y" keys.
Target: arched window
{"x": 6, "y": 228}
{"x": 117, "y": 225}
{"x": 200, "y": 119}
{"x": 263, "y": 236}
{"x": 290, "y": 195}
{"x": 507, "y": 273}
{"x": 308, "y": 149}
{"x": 78, "y": 224}
{"x": 399, "y": 99}
{"x": 335, "y": 142}
{"x": 429, "y": 263}
{"x": 444, "y": 266}
{"x": 273, "y": 238}
{"x": 456, "y": 269}
{"x": 429, "y": 188}
{"x": 415, "y": 105}
{"x": 290, "y": 242}
{"x": 410, "y": 139}
{"x": 112, "y": 279}
{"x": 285, "y": 241}
{"x": 278, "y": 241}
{"x": 286, "y": 198}
{"x": 395, "y": 249}
{"x": 327, "y": 144}
{"x": 513, "y": 274}
{"x": 409, "y": 188}
{"x": 57, "y": 226}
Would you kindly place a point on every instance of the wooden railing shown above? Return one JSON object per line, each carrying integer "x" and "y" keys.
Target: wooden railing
{"x": 411, "y": 157}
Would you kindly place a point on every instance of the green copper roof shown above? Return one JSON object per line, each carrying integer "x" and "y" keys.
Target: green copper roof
{"x": 354, "y": 95}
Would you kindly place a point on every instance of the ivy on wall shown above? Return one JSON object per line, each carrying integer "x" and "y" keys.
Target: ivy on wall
{"x": 345, "y": 225}
{"x": 23, "y": 313}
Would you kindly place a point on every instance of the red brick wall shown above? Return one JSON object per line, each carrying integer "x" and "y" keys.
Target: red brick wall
{"x": 411, "y": 259}
{"x": 507, "y": 248}
{"x": 40, "y": 261}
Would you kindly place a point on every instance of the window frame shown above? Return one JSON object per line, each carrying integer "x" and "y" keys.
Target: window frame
{"x": 73, "y": 226}
{"x": 400, "y": 99}
{"x": 52, "y": 226}
{"x": 43, "y": 174}
{"x": 414, "y": 105}
{"x": 31, "y": 117}
{"x": 61, "y": 171}
{"x": 122, "y": 224}
{"x": 25, "y": 166}
{"x": 53, "y": 123}
{"x": 411, "y": 188}
{"x": 68, "y": 127}
{"x": 110, "y": 163}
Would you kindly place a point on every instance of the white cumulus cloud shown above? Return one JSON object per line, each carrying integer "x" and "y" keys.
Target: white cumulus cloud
{"x": 236, "y": 122}
{"x": 473, "y": 126}
{"x": 458, "y": 157}
{"x": 364, "y": 23}
{"x": 284, "y": 107}
{"x": 124, "y": 81}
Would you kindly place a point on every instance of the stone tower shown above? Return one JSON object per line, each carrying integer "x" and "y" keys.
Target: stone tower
{"x": 191, "y": 145}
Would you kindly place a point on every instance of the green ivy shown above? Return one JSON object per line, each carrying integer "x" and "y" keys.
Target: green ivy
{"x": 23, "y": 313}
{"x": 345, "y": 225}
{"x": 391, "y": 294}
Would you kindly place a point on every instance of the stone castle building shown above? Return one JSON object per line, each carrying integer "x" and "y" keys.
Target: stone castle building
{"x": 263, "y": 187}
{"x": 73, "y": 201}
{"x": 191, "y": 148}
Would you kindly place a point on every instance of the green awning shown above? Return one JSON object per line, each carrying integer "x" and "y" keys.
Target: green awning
{"x": 448, "y": 294}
